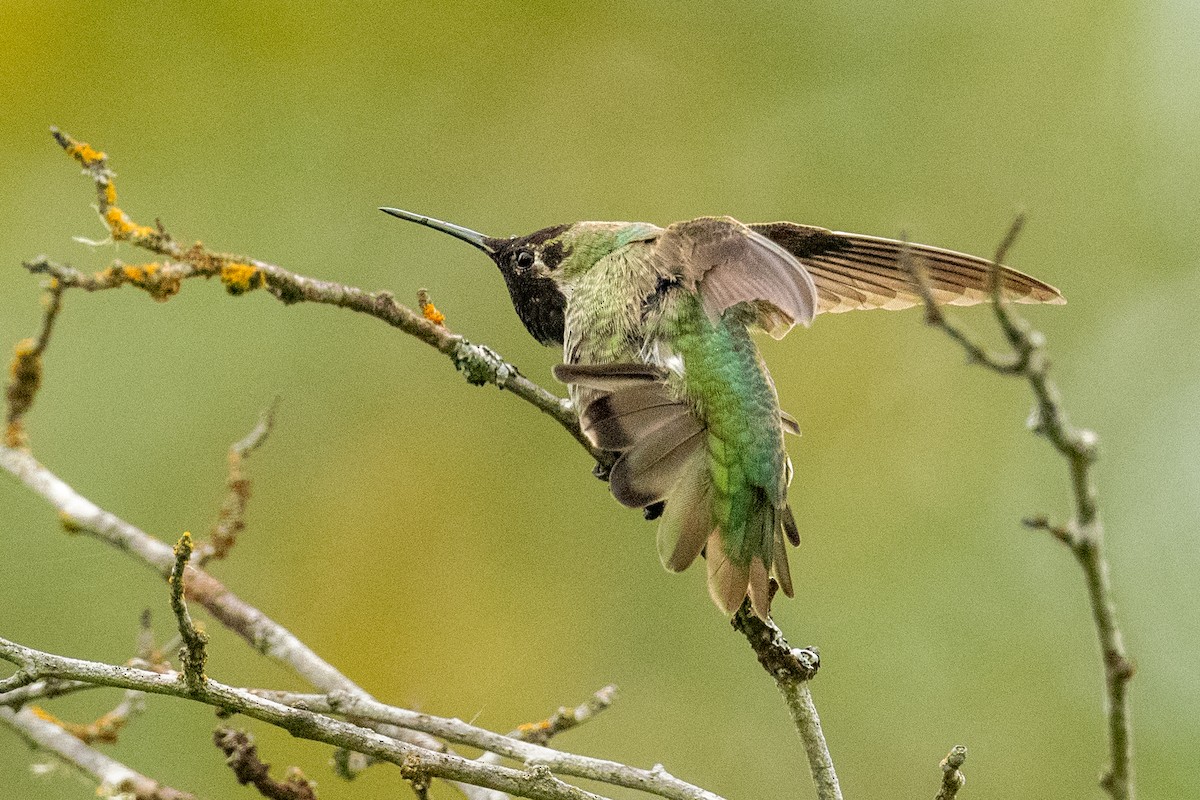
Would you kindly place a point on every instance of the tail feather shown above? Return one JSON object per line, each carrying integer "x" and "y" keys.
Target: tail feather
{"x": 616, "y": 421}
{"x": 727, "y": 581}
{"x": 783, "y": 572}
{"x": 760, "y": 589}
{"x": 648, "y": 470}
{"x": 687, "y": 521}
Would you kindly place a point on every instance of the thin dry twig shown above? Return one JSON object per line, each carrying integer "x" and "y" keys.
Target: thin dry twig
{"x": 565, "y": 719}
{"x": 231, "y": 519}
{"x": 1083, "y": 534}
{"x": 25, "y": 373}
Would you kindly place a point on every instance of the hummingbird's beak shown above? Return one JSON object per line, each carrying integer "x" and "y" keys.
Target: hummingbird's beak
{"x": 469, "y": 236}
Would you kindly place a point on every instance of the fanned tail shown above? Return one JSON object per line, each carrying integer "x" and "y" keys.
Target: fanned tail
{"x": 664, "y": 457}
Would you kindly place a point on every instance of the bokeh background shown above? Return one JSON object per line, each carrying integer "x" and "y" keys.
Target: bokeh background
{"x": 446, "y": 546}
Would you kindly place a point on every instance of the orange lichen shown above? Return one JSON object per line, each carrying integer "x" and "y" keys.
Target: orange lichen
{"x": 534, "y": 727}
{"x": 429, "y": 310}
{"x": 85, "y": 154}
{"x": 240, "y": 278}
{"x": 433, "y": 315}
{"x": 110, "y": 193}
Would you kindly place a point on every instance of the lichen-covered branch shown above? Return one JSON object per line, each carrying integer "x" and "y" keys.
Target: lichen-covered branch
{"x": 194, "y": 652}
{"x": 792, "y": 669}
{"x": 1083, "y": 533}
{"x": 240, "y": 274}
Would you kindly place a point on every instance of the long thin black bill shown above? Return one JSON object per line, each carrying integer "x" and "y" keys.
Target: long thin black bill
{"x": 457, "y": 231}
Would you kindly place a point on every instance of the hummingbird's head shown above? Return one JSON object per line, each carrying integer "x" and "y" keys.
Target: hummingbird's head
{"x": 531, "y": 266}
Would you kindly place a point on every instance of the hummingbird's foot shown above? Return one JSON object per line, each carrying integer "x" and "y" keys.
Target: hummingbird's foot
{"x": 654, "y": 510}
{"x": 601, "y": 471}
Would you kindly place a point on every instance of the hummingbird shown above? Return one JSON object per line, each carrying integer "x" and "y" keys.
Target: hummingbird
{"x": 655, "y": 327}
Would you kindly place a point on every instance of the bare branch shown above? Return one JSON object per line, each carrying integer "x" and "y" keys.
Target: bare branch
{"x": 535, "y": 782}
{"x": 791, "y": 669}
{"x": 1084, "y": 533}
{"x": 655, "y": 781}
{"x": 952, "y": 779}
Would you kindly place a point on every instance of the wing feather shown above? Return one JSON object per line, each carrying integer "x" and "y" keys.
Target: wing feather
{"x": 852, "y": 271}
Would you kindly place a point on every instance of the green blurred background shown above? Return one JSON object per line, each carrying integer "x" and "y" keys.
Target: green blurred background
{"x": 447, "y": 547}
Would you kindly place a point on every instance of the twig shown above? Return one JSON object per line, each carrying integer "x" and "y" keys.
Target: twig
{"x": 655, "y": 781}
{"x": 103, "y": 729}
{"x": 536, "y": 782}
{"x": 792, "y": 668}
{"x": 1084, "y": 533}
{"x": 952, "y": 778}
{"x": 241, "y": 755}
{"x": 231, "y": 520}
{"x": 113, "y": 777}
{"x": 193, "y": 653}
{"x": 565, "y": 719}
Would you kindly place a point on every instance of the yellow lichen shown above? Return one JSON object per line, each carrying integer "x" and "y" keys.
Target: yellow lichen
{"x": 240, "y": 278}
{"x": 110, "y": 193}
{"x": 85, "y": 154}
{"x": 159, "y": 282}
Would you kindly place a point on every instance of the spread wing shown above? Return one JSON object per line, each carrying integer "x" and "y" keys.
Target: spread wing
{"x": 727, "y": 263}
{"x": 854, "y": 272}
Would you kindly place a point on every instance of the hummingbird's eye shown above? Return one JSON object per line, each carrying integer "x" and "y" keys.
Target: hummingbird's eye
{"x": 525, "y": 259}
